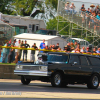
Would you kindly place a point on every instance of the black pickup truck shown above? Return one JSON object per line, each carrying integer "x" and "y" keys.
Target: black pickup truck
{"x": 61, "y": 69}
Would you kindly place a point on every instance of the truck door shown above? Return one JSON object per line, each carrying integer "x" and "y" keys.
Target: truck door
{"x": 85, "y": 68}
{"x": 74, "y": 68}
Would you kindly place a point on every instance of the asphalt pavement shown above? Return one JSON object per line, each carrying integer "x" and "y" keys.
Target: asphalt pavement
{"x": 37, "y": 90}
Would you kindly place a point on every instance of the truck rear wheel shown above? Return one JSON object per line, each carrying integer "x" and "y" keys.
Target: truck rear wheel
{"x": 25, "y": 81}
{"x": 93, "y": 82}
{"x": 57, "y": 80}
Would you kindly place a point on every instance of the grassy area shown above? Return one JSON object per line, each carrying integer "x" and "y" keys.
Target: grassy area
{"x": 7, "y": 63}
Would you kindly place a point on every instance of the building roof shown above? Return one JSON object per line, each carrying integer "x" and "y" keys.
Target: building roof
{"x": 20, "y": 17}
{"x": 31, "y": 36}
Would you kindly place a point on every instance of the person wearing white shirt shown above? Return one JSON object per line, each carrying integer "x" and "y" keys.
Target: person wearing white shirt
{"x": 67, "y": 7}
{"x": 72, "y": 8}
{"x": 92, "y": 9}
{"x": 17, "y": 44}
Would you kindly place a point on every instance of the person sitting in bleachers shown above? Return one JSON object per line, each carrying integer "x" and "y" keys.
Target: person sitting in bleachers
{"x": 72, "y": 9}
{"x": 67, "y": 7}
{"x": 92, "y": 9}
{"x": 97, "y": 10}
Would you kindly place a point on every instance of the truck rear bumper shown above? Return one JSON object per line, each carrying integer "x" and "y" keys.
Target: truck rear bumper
{"x": 33, "y": 73}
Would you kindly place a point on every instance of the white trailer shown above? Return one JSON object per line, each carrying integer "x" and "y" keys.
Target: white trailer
{"x": 37, "y": 38}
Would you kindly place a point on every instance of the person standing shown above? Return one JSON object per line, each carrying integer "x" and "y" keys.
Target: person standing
{"x": 20, "y": 51}
{"x": 57, "y": 46}
{"x": 88, "y": 50}
{"x": 33, "y": 52}
{"x": 83, "y": 13}
{"x": 83, "y": 50}
{"x": 94, "y": 50}
{"x": 42, "y": 45}
{"x": 68, "y": 47}
{"x": 5, "y": 53}
{"x": 11, "y": 53}
{"x": 98, "y": 51}
{"x": 25, "y": 51}
{"x": 14, "y": 43}
{"x": 98, "y": 16}
{"x": 17, "y": 44}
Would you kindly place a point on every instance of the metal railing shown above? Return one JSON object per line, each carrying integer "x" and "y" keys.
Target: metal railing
{"x": 6, "y": 32}
{"x": 82, "y": 19}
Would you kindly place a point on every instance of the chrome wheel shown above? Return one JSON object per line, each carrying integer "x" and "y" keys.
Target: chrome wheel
{"x": 95, "y": 81}
{"x": 57, "y": 79}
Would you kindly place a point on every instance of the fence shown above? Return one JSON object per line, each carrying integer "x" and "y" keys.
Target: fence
{"x": 6, "y": 32}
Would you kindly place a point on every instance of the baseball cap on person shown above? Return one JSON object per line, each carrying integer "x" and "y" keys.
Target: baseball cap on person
{"x": 87, "y": 47}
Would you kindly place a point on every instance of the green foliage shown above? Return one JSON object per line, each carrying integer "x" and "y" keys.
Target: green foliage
{"x": 52, "y": 3}
{"x": 24, "y": 7}
{"x": 5, "y": 6}
{"x": 52, "y": 24}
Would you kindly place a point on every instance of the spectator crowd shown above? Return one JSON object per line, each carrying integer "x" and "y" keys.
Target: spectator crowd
{"x": 14, "y": 55}
{"x": 91, "y": 15}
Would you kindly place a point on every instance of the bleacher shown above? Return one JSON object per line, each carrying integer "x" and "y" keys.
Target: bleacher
{"x": 76, "y": 18}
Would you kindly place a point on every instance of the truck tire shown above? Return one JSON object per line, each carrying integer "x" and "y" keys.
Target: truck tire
{"x": 57, "y": 80}
{"x": 25, "y": 81}
{"x": 93, "y": 82}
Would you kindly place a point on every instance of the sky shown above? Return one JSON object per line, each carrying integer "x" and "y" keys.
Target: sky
{"x": 92, "y": 1}
{"x": 87, "y": 3}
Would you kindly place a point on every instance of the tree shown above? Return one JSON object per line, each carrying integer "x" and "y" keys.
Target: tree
{"x": 52, "y": 24}
{"x": 25, "y": 7}
{"x": 5, "y": 6}
{"x": 52, "y": 3}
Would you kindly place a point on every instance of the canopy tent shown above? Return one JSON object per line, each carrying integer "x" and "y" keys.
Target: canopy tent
{"x": 38, "y": 38}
